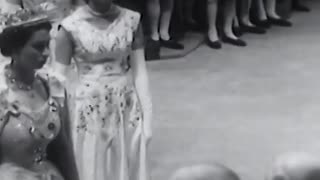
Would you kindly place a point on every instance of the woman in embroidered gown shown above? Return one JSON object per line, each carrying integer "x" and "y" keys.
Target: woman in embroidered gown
{"x": 110, "y": 103}
{"x": 29, "y": 115}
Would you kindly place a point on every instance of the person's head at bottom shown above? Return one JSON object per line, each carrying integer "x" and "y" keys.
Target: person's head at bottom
{"x": 295, "y": 166}
{"x": 205, "y": 172}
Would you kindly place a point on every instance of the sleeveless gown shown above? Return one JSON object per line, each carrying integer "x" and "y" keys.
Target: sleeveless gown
{"x": 108, "y": 137}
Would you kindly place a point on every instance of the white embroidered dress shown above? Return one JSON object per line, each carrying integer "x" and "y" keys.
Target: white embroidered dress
{"x": 107, "y": 121}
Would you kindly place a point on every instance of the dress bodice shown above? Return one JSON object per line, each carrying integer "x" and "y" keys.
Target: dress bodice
{"x": 101, "y": 47}
{"x": 25, "y": 134}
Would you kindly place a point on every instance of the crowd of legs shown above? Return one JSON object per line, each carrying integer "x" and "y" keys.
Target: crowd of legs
{"x": 227, "y": 20}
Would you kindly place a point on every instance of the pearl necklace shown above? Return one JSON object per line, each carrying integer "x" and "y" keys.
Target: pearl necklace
{"x": 9, "y": 74}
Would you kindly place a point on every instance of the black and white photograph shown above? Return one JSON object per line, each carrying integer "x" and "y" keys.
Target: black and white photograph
{"x": 159, "y": 89}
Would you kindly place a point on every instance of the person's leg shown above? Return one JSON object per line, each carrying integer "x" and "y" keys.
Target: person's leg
{"x": 166, "y": 14}
{"x": 152, "y": 49}
{"x": 259, "y": 13}
{"x": 273, "y": 17}
{"x": 299, "y": 6}
{"x": 229, "y": 13}
{"x": 244, "y": 12}
{"x": 271, "y": 9}
{"x": 188, "y": 11}
{"x": 236, "y": 22}
{"x": 165, "y": 20}
{"x": 236, "y": 27}
{"x": 212, "y": 11}
{"x": 246, "y": 24}
{"x": 153, "y": 14}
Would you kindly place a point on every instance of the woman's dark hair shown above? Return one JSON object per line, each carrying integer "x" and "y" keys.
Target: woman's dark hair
{"x": 13, "y": 38}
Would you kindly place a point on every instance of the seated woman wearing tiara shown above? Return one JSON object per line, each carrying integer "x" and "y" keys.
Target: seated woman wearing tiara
{"x": 30, "y": 117}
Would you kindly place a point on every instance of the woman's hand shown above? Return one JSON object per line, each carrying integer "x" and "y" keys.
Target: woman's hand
{"x": 146, "y": 104}
{"x": 147, "y": 129}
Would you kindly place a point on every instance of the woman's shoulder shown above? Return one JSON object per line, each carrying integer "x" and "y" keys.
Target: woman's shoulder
{"x": 131, "y": 17}
{"x": 43, "y": 77}
{"x": 76, "y": 16}
{"x": 80, "y": 12}
{"x": 132, "y": 14}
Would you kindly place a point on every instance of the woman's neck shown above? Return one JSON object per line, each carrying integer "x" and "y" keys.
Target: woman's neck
{"x": 110, "y": 11}
{"x": 22, "y": 74}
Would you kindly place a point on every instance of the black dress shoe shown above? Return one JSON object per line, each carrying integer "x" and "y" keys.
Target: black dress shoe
{"x": 171, "y": 44}
{"x": 236, "y": 42}
{"x": 280, "y": 22}
{"x": 301, "y": 8}
{"x": 237, "y": 31}
{"x": 152, "y": 50}
{"x": 253, "y": 29}
{"x": 213, "y": 44}
{"x": 262, "y": 23}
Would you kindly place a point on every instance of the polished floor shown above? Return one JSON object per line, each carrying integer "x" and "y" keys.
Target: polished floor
{"x": 239, "y": 106}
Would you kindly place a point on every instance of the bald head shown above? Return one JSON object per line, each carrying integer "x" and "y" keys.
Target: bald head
{"x": 204, "y": 172}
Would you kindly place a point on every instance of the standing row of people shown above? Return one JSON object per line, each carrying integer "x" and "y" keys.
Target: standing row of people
{"x": 227, "y": 20}
{"x": 88, "y": 114}
{"x": 244, "y": 16}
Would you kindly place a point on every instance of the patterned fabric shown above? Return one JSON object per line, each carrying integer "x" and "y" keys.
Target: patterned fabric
{"x": 107, "y": 129}
{"x": 25, "y": 133}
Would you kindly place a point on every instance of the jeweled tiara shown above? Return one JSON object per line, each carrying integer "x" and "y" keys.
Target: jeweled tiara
{"x": 28, "y": 17}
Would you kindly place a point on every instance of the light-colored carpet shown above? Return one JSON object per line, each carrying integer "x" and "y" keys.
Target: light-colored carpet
{"x": 239, "y": 106}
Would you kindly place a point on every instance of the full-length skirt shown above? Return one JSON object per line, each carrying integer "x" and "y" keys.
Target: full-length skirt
{"x": 107, "y": 129}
